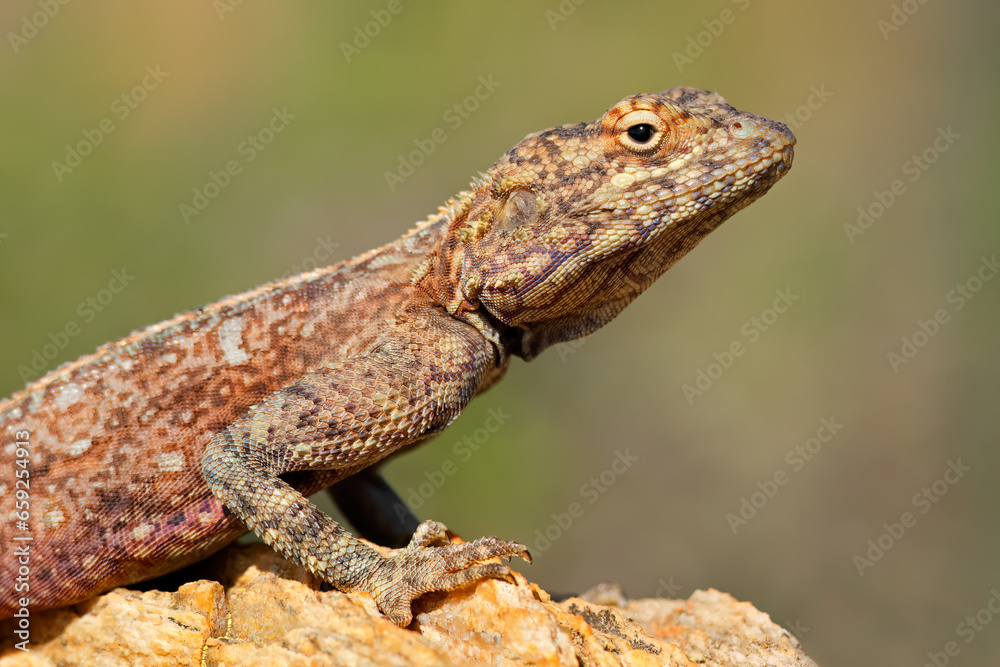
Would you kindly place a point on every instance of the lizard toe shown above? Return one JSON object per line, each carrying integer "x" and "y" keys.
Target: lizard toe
{"x": 420, "y": 569}
{"x": 482, "y": 549}
{"x": 429, "y": 533}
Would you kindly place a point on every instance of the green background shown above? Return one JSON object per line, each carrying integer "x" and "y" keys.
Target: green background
{"x": 885, "y": 96}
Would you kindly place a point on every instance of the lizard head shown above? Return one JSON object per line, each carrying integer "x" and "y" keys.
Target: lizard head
{"x": 574, "y": 222}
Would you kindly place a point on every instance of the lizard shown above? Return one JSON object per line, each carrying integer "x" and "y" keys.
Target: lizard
{"x": 161, "y": 448}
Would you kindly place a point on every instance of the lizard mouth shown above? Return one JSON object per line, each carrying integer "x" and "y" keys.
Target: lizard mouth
{"x": 785, "y": 163}
{"x": 761, "y": 147}
{"x": 772, "y": 168}
{"x": 783, "y": 145}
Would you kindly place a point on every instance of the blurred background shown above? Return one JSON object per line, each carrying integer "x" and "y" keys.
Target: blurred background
{"x": 840, "y": 474}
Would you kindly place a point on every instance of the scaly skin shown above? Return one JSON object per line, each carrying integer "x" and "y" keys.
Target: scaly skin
{"x": 159, "y": 449}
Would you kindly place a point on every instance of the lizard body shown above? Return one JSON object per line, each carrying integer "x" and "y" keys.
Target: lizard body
{"x": 161, "y": 448}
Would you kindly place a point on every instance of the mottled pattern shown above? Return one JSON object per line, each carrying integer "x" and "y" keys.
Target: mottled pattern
{"x": 161, "y": 448}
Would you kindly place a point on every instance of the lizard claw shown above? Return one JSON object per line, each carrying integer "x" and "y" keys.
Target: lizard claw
{"x": 430, "y": 563}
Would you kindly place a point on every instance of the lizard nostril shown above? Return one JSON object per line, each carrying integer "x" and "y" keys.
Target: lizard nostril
{"x": 741, "y": 129}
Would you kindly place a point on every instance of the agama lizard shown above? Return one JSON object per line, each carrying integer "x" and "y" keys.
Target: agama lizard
{"x": 161, "y": 448}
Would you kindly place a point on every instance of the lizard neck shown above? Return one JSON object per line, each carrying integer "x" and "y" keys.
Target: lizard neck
{"x": 449, "y": 284}
{"x": 447, "y": 278}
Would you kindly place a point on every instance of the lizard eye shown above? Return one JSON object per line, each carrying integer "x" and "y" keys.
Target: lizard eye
{"x": 641, "y": 131}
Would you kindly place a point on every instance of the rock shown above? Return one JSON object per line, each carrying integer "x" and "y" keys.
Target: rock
{"x": 126, "y": 628}
{"x": 267, "y": 611}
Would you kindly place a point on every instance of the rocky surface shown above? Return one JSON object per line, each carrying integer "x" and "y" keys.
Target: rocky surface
{"x": 268, "y": 611}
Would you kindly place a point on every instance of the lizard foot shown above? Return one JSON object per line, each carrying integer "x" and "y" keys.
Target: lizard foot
{"x": 430, "y": 563}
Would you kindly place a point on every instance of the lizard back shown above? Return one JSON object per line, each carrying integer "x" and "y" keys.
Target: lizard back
{"x": 116, "y": 437}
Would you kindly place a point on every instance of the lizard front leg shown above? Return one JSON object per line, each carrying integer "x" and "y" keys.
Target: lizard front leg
{"x": 344, "y": 417}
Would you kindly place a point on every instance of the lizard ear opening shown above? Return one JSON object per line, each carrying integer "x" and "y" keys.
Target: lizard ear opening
{"x": 520, "y": 209}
